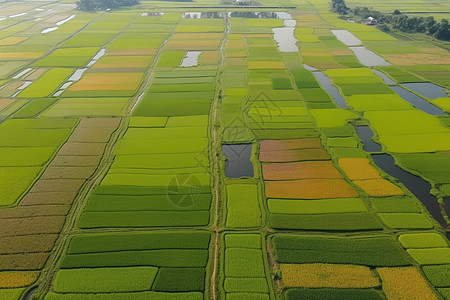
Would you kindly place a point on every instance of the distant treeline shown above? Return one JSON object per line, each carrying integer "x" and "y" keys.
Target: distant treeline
{"x": 397, "y": 20}
{"x": 94, "y": 5}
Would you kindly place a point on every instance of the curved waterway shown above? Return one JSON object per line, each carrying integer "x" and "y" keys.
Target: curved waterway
{"x": 238, "y": 162}
{"x": 366, "y": 134}
{"x": 427, "y": 89}
{"x": 415, "y": 184}
{"x": 418, "y": 102}
{"x": 325, "y": 82}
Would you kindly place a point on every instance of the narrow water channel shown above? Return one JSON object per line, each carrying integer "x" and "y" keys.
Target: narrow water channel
{"x": 238, "y": 162}
{"x": 427, "y": 89}
{"x": 418, "y": 102}
{"x": 325, "y": 82}
{"x": 418, "y": 186}
{"x": 366, "y": 135}
{"x": 368, "y": 58}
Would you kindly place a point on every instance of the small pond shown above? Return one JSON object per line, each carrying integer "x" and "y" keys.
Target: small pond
{"x": 238, "y": 162}
{"x": 368, "y": 58}
{"x": 190, "y": 59}
{"x": 418, "y": 102}
{"x": 427, "y": 89}
{"x": 325, "y": 82}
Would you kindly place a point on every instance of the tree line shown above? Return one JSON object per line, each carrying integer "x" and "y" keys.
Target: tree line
{"x": 95, "y": 5}
{"x": 397, "y": 20}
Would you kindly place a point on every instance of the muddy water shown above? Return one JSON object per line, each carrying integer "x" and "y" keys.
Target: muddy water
{"x": 427, "y": 89}
{"x": 325, "y": 82}
{"x": 366, "y": 135}
{"x": 419, "y": 187}
{"x": 238, "y": 162}
{"x": 418, "y": 102}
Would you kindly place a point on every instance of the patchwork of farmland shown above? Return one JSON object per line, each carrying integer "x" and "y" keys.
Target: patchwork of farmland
{"x": 215, "y": 151}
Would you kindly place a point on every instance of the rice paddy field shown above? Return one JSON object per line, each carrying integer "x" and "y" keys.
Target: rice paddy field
{"x": 208, "y": 150}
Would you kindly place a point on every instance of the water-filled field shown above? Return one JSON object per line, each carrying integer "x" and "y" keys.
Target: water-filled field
{"x": 217, "y": 150}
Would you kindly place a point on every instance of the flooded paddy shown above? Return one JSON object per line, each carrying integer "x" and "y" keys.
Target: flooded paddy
{"x": 190, "y": 59}
{"x": 385, "y": 78}
{"x": 368, "y": 58}
{"x": 346, "y": 37}
{"x": 238, "y": 162}
{"x": 427, "y": 89}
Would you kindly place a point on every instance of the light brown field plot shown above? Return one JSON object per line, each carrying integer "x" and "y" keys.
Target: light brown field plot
{"x": 27, "y": 243}
{"x": 34, "y": 225}
{"x": 49, "y": 198}
{"x": 409, "y": 59}
{"x": 358, "y": 168}
{"x": 57, "y": 185}
{"x": 107, "y": 81}
{"x": 379, "y": 187}
{"x": 342, "y": 52}
{"x": 36, "y": 74}
{"x": 99, "y": 122}
{"x": 75, "y": 161}
{"x": 68, "y": 172}
{"x": 20, "y": 55}
{"x": 28, "y": 261}
{"x": 293, "y": 155}
{"x": 91, "y": 135}
{"x": 209, "y": 57}
{"x": 33, "y": 211}
{"x": 123, "y": 62}
{"x": 328, "y": 275}
{"x": 405, "y": 283}
{"x": 310, "y": 189}
{"x": 131, "y": 52}
{"x": 81, "y": 149}
{"x": 236, "y": 61}
{"x": 12, "y": 40}
{"x": 196, "y": 44}
{"x": 300, "y": 170}
{"x": 197, "y": 36}
{"x": 235, "y": 45}
{"x": 277, "y": 145}
{"x": 260, "y": 65}
{"x": 15, "y": 279}
{"x": 4, "y": 103}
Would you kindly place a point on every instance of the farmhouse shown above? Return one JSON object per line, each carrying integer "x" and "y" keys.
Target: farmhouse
{"x": 371, "y": 21}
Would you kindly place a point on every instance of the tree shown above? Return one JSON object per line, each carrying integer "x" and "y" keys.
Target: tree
{"x": 396, "y": 12}
{"x": 94, "y": 5}
{"x": 339, "y": 6}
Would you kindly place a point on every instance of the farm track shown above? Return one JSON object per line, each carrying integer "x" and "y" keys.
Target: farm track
{"x": 69, "y": 228}
{"x": 215, "y": 146}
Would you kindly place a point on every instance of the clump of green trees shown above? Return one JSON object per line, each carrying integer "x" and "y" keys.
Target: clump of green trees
{"x": 397, "y": 20}
{"x": 95, "y": 5}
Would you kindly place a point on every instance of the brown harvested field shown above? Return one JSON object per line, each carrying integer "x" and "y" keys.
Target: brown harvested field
{"x": 75, "y": 149}
{"x": 10, "y": 89}
{"x": 36, "y": 74}
{"x": 310, "y": 189}
{"x": 198, "y": 45}
{"x": 57, "y": 185}
{"x": 405, "y": 283}
{"x": 75, "y": 161}
{"x": 131, "y": 52}
{"x": 358, "y": 168}
{"x": 8, "y": 55}
{"x": 300, "y": 170}
{"x": 277, "y": 145}
{"x": 28, "y": 261}
{"x": 34, "y": 211}
{"x": 410, "y": 59}
{"x": 91, "y": 135}
{"x": 68, "y": 172}
{"x": 379, "y": 187}
{"x": 197, "y": 36}
{"x": 27, "y": 243}
{"x": 4, "y": 103}
{"x": 293, "y": 155}
{"x": 99, "y": 122}
{"x": 107, "y": 81}
{"x": 51, "y": 198}
{"x": 209, "y": 57}
{"x": 328, "y": 275}
{"x": 35, "y": 225}
{"x": 15, "y": 279}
